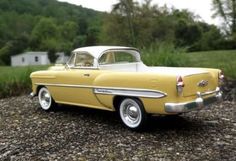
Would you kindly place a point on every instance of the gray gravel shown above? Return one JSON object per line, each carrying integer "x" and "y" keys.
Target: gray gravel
{"x": 70, "y": 133}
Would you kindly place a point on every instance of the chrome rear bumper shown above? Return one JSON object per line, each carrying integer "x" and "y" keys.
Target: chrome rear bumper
{"x": 198, "y": 104}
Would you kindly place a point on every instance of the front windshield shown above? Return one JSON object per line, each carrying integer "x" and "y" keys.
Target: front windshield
{"x": 81, "y": 59}
{"x": 84, "y": 60}
{"x": 119, "y": 57}
{"x": 71, "y": 61}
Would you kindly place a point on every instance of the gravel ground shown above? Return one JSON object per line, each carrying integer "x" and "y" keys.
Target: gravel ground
{"x": 69, "y": 133}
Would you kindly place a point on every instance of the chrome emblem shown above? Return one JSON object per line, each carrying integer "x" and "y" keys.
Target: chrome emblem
{"x": 203, "y": 83}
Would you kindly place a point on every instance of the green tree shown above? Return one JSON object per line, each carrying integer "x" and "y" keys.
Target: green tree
{"x": 127, "y": 8}
{"x": 150, "y": 24}
{"x": 69, "y": 30}
{"x": 5, "y": 54}
{"x": 187, "y": 34}
{"x": 211, "y": 39}
{"x": 44, "y": 30}
{"x": 92, "y": 36}
{"x": 52, "y": 55}
{"x": 13, "y": 47}
{"x": 226, "y": 9}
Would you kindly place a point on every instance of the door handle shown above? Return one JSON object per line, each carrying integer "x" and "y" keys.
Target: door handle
{"x": 86, "y": 75}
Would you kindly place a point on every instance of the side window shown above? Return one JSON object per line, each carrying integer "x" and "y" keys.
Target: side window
{"x": 124, "y": 57}
{"x": 107, "y": 58}
{"x": 116, "y": 57}
{"x": 84, "y": 60}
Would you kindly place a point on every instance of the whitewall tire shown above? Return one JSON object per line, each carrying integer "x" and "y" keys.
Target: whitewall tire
{"x": 132, "y": 113}
{"x": 45, "y": 99}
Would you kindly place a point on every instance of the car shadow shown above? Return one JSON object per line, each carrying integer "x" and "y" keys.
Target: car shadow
{"x": 89, "y": 114}
{"x": 179, "y": 123}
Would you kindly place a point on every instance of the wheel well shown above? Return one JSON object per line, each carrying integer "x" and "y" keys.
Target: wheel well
{"x": 38, "y": 88}
{"x": 117, "y": 100}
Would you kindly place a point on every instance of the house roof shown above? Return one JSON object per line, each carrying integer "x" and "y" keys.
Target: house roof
{"x": 31, "y": 53}
{"x": 96, "y": 51}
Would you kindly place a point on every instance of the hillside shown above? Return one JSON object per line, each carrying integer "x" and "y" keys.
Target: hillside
{"x": 45, "y": 25}
{"x": 47, "y": 8}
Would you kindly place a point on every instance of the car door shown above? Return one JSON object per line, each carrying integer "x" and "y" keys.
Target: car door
{"x": 76, "y": 81}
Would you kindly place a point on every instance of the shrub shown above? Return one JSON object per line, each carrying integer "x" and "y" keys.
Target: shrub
{"x": 16, "y": 80}
{"x": 164, "y": 54}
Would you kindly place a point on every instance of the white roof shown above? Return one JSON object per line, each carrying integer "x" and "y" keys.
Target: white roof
{"x": 35, "y": 53}
{"x": 96, "y": 51}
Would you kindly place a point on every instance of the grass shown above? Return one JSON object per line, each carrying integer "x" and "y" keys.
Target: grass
{"x": 225, "y": 60}
{"x": 15, "y": 80}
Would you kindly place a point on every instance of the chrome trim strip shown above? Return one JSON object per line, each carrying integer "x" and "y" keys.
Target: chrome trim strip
{"x": 133, "y": 92}
{"x": 63, "y": 85}
{"x": 114, "y": 90}
{"x": 208, "y": 92}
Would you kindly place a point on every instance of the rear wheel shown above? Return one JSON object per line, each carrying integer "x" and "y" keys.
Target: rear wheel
{"x": 45, "y": 99}
{"x": 132, "y": 113}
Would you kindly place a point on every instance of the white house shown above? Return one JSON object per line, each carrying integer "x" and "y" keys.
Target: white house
{"x": 35, "y": 58}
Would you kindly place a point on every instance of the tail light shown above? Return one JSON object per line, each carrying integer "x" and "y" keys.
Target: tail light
{"x": 221, "y": 78}
{"x": 179, "y": 85}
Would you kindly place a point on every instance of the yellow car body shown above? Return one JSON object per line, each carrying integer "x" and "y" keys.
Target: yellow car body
{"x": 103, "y": 82}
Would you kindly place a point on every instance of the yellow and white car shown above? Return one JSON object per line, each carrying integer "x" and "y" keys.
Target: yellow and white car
{"x": 114, "y": 78}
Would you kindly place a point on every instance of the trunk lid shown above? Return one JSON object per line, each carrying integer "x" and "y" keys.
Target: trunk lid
{"x": 195, "y": 79}
{"x": 198, "y": 83}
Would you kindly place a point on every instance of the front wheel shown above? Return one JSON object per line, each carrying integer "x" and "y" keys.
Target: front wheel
{"x": 45, "y": 99}
{"x": 132, "y": 113}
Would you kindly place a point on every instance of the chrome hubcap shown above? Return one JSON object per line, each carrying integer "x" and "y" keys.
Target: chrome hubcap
{"x": 130, "y": 113}
{"x": 45, "y": 98}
